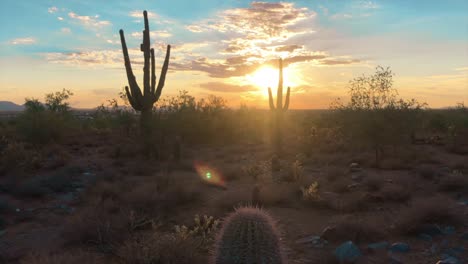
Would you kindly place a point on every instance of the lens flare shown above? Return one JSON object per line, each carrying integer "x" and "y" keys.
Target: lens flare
{"x": 209, "y": 174}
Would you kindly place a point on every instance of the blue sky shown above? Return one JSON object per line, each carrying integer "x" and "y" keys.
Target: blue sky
{"x": 227, "y": 47}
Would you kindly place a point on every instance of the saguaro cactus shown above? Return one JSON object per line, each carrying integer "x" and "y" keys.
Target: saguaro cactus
{"x": 249, "y": 235}
{"x": 143, "y": 102}
{"x": 279, "y": 109}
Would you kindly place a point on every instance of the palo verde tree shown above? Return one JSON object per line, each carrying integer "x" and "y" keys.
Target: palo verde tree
{"x": 143, "y": 101}
{"x": 375, "y": 115}
{"x": 278, "y": 110}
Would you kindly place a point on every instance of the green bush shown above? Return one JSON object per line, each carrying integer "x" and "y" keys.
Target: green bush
{"x": 42, "y": 123}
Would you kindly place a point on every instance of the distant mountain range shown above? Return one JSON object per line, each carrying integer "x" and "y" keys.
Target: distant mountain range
{"x": 10, "y": 106}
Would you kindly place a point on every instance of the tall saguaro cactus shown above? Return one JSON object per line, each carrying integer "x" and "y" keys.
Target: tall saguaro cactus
{"x": 144, "y": 101}
{"x": 279, "y": 110}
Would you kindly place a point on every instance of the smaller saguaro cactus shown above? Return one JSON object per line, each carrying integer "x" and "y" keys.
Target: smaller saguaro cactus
{"x": 279, "y": 109}
{"x": 249, "y": 235}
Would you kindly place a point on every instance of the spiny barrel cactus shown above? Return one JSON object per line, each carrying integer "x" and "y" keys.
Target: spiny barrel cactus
{"x": 143, "y": 102}
{"x": 249, "y": 236}
{"x": 279, "y": 109}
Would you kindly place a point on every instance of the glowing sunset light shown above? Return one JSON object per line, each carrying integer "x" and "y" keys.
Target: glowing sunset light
{"x": 220, "y": 49}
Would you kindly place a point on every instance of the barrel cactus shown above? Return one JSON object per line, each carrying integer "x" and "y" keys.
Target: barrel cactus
{"x": 249, "y": 236}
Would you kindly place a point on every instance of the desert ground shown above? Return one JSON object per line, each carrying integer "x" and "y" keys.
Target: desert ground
{"x": 80, "y": 189}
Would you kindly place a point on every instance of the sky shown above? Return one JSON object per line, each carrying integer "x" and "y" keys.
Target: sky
{"x": 230, "y": 48}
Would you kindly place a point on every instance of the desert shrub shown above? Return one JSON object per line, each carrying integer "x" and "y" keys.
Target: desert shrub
{"x": 311, "y": 192}
{"x": 156, "y": 247}
{"x": 426, "y": 211}
{"x": 42, "y": 123}
{"x": 207, "y": 120}
{"x": 203, "y": 231}
{"x": 295, "y": 172}
{"x": 93, "y": 226}
{"x": 375, "y": 117}
{"x": 18, "y": 156}
{"x": 113, "y": 115}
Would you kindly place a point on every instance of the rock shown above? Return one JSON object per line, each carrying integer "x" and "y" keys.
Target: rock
{"x": 400, "y": 247}
{"x": 378, "y": 245}
{"x": 347, "y": 252}
{"x": 449, "y": 260}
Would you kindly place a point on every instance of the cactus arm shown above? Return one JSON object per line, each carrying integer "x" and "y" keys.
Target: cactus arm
{"x": 286, "y": 103}
{"x": 135, "y": 90}
{"x": 162, "y": 77}
{"x": 153, "y": 73}
{"x": 134, "y": 103}
{"x": 279, "y": 98}
{"x": 270, "y": 96}
{"x": 145, "y": 47}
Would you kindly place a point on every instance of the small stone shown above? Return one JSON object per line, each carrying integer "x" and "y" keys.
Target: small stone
{"x": 400, "y": 247}
{"x": 347, "y": 252}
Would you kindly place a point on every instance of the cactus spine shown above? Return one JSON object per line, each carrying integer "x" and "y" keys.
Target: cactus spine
{"x": 248, "y": 236}
{"x": 278, "y": 110}
{"x": 143, "y": 102}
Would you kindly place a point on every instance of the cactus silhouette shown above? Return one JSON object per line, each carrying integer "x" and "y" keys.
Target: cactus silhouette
{"x": 144, "y": 101}
{"x": 249, "y": 236}
{"x": 278, "y": 110}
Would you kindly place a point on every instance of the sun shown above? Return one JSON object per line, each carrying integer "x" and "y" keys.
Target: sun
{"x": 266, "y": 77}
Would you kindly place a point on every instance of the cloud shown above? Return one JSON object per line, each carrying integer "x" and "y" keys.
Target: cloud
{"x": 52, "y": 9}
{"x": 288, "y": 48}
{"x": 65, "y": 30}
{"x": 89, "y": 22}
{"x": 153, "y": 34}
{"x": 368, "y": 5}
{"x": 60, "y": 18}
{"x": 23, "y": 41}
{"x": 139, "y": 14}
{"x": 226, "y": 87}
{"x": 338, "y": 62}
{"x": 341, "y": 16}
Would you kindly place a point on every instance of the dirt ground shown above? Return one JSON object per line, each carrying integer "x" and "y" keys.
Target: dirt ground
{"x": 109, "y": 195}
